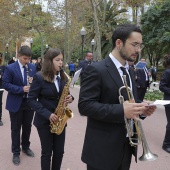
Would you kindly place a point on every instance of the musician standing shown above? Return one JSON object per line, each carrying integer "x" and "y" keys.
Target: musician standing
{"x": 106, "y": 145}
{"x": 47, "y": 87}
{"x": 165, "y": 88}
{"x": 15, "y": 81}
{"x": 2, "y": 69}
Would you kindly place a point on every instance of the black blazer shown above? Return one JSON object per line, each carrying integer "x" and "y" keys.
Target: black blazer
{"x": 43, "y": 98}
{"x": 164, "y": 85}
{"x": 83, "y": 64}
{"x": 99, "y": 101}
{"x": 141, "y": 78}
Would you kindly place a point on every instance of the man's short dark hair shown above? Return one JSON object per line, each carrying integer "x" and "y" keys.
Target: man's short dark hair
{"x": 0, "y": 54}
{"x": 25, "y": 50}
{"x": 122, "y": 32}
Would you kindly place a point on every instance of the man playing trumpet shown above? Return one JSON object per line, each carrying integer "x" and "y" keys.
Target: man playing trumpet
{"x": 106, "y": 144}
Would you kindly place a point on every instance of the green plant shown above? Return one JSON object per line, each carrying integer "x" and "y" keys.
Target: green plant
{"x": 153, "y": 95}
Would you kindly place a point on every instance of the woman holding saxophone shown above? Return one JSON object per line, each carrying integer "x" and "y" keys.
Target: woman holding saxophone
{"x": 49, "y": 92}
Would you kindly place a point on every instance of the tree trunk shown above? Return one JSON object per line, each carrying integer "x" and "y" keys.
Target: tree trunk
{"x": 66, "y": 42}
{"x": 97, "y": 31}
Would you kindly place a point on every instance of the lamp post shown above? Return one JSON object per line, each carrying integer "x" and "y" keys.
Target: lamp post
{"x": 31, "y": 42}
{"x": 83, "y": 33}
{"x": 46, "y": 46}
{"x": 92, "y": 44}
{"x": 7, "y": 46}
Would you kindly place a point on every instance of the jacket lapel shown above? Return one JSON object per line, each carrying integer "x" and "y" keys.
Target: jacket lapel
{"x": 18, "y": 71}
{"x": 113, "y": 72}
{"x": 112, "y": 69}
{"x": 132, "y": 75}
{"x": 54, "y": 89}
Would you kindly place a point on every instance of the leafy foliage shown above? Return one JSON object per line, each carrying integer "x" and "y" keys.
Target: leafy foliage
{"x": 153, "y": 95}
{"x": 156, "y": 31}
{"x": 107, "y": 24}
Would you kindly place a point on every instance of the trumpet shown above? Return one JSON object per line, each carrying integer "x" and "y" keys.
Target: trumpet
{"x": 138, "y": 137}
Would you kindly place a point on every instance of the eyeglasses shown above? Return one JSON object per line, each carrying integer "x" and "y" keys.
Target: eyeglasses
{"x": 136, "y": 45}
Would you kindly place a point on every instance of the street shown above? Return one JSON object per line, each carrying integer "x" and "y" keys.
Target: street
{"x": 154, "y": 128}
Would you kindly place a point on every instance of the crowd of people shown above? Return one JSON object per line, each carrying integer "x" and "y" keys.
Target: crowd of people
{"x": 40, "y": 88}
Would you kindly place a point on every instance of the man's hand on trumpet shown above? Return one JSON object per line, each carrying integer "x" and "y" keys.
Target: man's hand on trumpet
{"x": 133, "y": 110}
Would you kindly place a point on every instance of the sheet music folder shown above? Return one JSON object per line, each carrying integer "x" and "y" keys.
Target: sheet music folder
{"x": 76, "y": 77}
{"x": 140, "y": 65}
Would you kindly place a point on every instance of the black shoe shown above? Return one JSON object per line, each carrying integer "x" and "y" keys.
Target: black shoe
{"x": 1, "y": 123}
{"x": 28, "y": 152}
{"x": 16, "y": 160}
{"x": 167, "y": 149}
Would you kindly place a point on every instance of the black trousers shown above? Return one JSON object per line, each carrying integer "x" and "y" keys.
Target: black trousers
{"x": 52, "y": 146}
{"x": 72, "y": 73}
{"x": 141, "y": 93}
{"x": 1, "y": 94}
{"x": 126, "y": 160}
{"x": 21, "y": 119}
{"x": 166, "y": 141}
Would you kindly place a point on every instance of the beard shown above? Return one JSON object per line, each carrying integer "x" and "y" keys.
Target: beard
{"x": 123, "y": 54}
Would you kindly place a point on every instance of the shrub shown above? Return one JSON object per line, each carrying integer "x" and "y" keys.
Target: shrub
{"x": 153, "y": 95}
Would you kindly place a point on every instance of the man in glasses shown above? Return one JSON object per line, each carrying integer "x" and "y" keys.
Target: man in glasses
{"x": 106, "y": 144}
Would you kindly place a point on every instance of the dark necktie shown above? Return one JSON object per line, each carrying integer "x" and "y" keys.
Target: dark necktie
{"x": 25, "y": 76}
{"x": 127, "y": 76}
{"x": 59, "y": 82}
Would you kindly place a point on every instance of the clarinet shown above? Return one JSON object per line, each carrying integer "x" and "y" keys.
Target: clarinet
{"x": 27, "y": 72}
{"x": 28, "y": 84}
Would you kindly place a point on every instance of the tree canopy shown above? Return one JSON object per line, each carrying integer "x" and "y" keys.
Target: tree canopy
{"x": 156, "y": 31}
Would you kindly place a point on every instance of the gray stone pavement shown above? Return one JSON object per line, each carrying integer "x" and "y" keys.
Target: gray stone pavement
{"x": 154, "y": 128}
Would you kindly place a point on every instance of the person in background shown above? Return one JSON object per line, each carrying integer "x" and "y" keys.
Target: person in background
{"x": 132, "y": 65}
{"x": 142, "y": 81}
{"x": 106, "y": 145}
{"x": 72, "y": 68}
{"x": 38, "y": 64}
{"x": 2, "y": 69}
{"x": 47, "y": 87}
{"x": 84, "y": 63}
{"x": 12, "y": 60}
{"x": 164, "y": 86}
{"x": 16, "y": 80}
{"x": 153, "y": 73}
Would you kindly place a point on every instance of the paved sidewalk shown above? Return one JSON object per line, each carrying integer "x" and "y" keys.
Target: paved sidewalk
{"x": 154, "y": 128}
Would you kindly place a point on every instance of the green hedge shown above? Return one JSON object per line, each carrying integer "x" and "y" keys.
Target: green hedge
{"x": 153, "y": 95}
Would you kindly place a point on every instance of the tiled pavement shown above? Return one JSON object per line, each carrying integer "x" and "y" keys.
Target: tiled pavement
{"x": 154, "y": 128}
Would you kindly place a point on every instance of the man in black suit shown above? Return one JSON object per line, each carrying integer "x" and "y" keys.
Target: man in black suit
{"x": 164, "y": 86}
{"x": 106, "y": 145}
{"x": 84, "y": 63}
{"x": 154, "y": 73}
{"x": 142, "y": 81}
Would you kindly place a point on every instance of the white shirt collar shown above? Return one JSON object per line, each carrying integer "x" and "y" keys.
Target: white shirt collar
{"x": 58, "y": 76}
{"x": 117, "y": 63}
{"x": 20, "y": 65}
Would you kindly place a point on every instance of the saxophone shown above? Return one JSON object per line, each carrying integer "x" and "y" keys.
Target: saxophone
{"x": 62, "y": 111}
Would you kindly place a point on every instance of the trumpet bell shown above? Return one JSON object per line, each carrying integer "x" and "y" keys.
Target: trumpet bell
{"x": 148, "y": 157}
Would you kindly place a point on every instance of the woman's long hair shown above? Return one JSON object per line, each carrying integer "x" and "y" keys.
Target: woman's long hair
{"x": 48, "y": 71}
